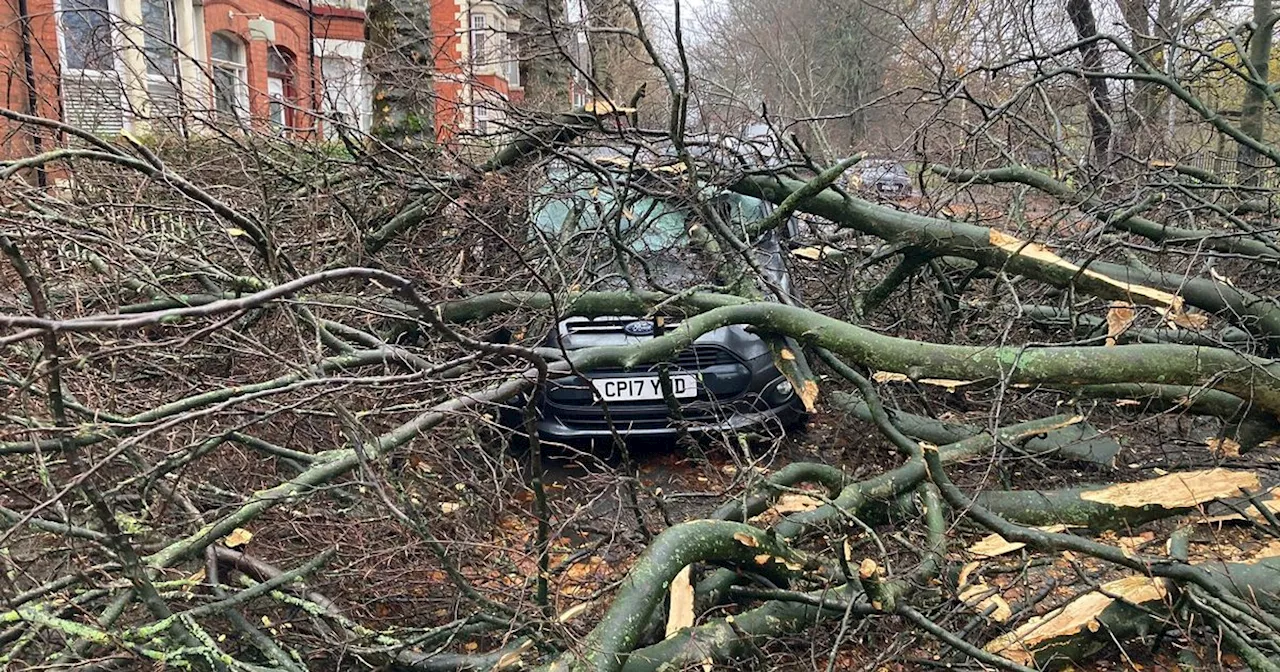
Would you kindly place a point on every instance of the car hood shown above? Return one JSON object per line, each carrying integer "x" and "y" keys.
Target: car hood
{"x": 576, "y": 333}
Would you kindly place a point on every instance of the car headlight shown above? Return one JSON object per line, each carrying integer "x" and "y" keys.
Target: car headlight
{"x": 778, "y": 392}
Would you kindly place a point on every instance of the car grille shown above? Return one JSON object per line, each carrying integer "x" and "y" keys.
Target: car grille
{"x": 701, "y": 356}
{"x": 626, "y": 416}
{"x": 698, "y": 356}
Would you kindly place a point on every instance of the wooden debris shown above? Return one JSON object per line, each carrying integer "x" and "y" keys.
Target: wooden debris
{"x": 1119, "y": 318}
{"x": 796, "y": 503}
{"x": 1224, "y": 447}
{"x": 1271, "y": 550}
{"x": 681, "y": 612}
{"x": 1079, "y": 615}
{"x": 1181, "y": 490}
{"x": 1255, "y": 515}
{"x": 993, "y": 544}
{"x": 891, "y": 377}
{"x": 981, "y": 596}
{"x": 1016, "y": 246}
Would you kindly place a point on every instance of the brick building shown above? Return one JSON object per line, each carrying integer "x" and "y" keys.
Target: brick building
{"x": 477, "y": 70}
{"x": 293, "y": 67}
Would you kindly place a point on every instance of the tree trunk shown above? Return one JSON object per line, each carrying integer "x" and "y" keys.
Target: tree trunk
{"x": 1081, "y": 14}
{"x": 1252, "y": 116}
{"x": 1143, "y": 117}
{"x": 400, "y": 61}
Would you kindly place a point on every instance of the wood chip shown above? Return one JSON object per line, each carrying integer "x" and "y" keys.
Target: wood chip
{"x": 981, "y": 597}
{"x": 815, "y": 253}
{"x": 1181, "y": 490}
{"x": 512, "y": 658}
{"x": 1131, "y": 545}
{"x": 1224, "y": 447}
{"x": 681, "y": 613}
{"x": 1271, "y": 550}
{"x": 1080, "y": 614}
{"x": 745, "y": 539}
{"x": 1193, "y": 321}
{"x": 993, "y": 544}
{"x": 1255, "y": 515}
{"x": 809, "y": 395}
{"x": 796, "y": 503}
{"x": 1119, "y": 318}
{"x": 574, "y": 611}
{"x": 238, "y": 537}
{"x": 891, "y": 377}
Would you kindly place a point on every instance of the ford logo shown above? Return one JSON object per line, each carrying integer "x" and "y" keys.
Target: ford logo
{"x": 639, "y": 328}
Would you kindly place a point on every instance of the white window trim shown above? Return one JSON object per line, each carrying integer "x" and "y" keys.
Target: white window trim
{"x": 117, "y": 43}
{"x": 479, "y": 59}
{"x": 173, "y": 44}
{"x": 351, "y": 51}
{"x": 116, "y": 75}
{"x": 243, "y": 112}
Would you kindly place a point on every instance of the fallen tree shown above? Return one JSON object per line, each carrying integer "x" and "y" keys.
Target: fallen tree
{"x": 225, "y": 448}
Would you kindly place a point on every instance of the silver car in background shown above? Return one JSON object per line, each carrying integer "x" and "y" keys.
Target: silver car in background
{"x": 883, "y": 177}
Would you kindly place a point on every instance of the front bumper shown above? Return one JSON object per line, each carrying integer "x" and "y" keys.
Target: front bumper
{"x": 658, "y": 423}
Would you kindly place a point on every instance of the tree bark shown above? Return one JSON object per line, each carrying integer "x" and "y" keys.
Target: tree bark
{"x": 1253, "y": 120}
{"x": 1099, "y": 110}
{"x": 400, "y": 59}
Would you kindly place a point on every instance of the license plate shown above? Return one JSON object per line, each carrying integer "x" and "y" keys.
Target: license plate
{"x": 645, "y": 388}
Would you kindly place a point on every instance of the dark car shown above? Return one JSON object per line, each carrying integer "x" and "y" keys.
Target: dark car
{"x": 881, "y": 177}
{"x": 726, "y": 380}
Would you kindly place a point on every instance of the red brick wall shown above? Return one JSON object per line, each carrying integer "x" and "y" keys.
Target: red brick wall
{"x": 291, "y": 27}
{"x": 16, "y": 140}
{"x": 448, "y": 59}
{"x": 449, "y": 21}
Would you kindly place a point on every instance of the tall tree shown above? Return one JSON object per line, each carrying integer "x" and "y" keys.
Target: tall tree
{"x": 1253, "y": 121}
{"x": 1081, "y": 14}
{"x": 401, "y": 60}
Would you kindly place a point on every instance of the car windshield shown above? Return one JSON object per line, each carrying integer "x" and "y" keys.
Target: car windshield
{"x": 578, "y": 210}
{"x": 579, "y": 214}
{"x": 609, "y": 227}
{"x": 878, "y": 171}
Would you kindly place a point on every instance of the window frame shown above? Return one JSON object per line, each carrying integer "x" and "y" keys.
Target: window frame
{"x": 112, "y": 17}
{"x": 170, "y": 42}
{"x": 287, "y": 102}
{"x": 346, "y": 91}
{"x": 239, "y": 70}
{"x": 479, "y": 47}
